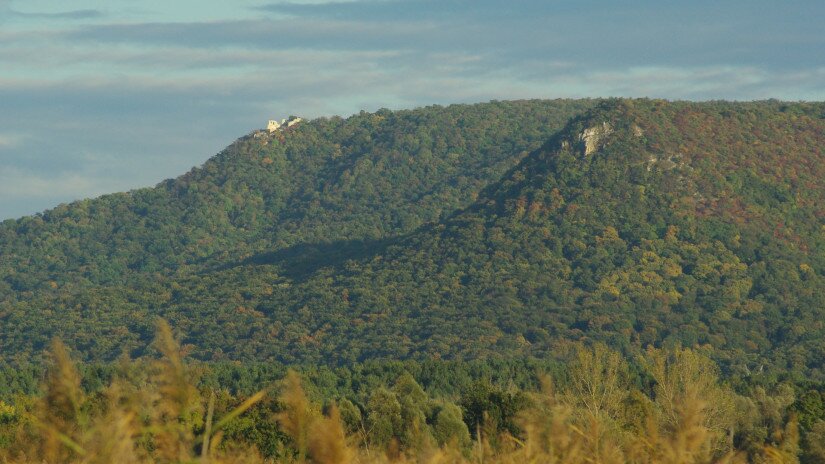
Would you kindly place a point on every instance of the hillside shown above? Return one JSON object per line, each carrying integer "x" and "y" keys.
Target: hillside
{"x": 462, "y": 232}
{"x": 369, "y": 176}
{"x": 362, "y": 179}
{"x": 692, "y": 224}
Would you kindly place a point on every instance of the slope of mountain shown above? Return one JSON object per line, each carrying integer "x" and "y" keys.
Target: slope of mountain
{"x": 361, "y": 179}
{"x": 367, "y": 177}
{"x": 641, "y": 222}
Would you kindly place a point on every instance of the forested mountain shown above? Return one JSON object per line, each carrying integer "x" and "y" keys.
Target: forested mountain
{"x": 641, "y": 223}
{"x": 462, "y": 232}
{"x": 364, "y": 178}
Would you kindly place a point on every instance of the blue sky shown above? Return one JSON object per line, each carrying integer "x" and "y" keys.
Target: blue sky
{"x": 99, "y": 97}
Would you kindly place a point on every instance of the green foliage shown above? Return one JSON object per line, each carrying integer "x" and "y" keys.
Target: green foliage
{"x": 449, "y": 428}
{"x": 384, "y": 419}
{"x": 467, "y": 232}
{"x": 327, "y": 190}
{"x": 490, "y": 410}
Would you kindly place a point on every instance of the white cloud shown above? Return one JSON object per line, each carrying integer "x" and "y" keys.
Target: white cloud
{"x": 10, "y": 140}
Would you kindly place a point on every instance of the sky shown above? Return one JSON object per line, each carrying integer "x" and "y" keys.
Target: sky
{"x": 106, "y": 96}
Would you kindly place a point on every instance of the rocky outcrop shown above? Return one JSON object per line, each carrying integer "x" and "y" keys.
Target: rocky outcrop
{"x": 593, "y": 136}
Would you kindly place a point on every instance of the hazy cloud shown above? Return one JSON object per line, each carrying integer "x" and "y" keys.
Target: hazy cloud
{"x": 75, "y": 14}
{"x": 9, "y": 140}
{"x": 16, "y": 183}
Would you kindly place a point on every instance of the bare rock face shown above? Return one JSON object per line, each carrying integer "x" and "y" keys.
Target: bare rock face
{"x": 592, "y": 136}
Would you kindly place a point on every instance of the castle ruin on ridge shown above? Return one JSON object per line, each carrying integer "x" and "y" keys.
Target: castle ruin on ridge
{"x": 274, "y": 125}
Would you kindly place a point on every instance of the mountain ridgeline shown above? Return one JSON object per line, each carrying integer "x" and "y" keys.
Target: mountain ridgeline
{"x": 472, "y": 231}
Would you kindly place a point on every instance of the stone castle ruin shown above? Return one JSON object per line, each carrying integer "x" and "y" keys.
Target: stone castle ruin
{"x": 273, "y": 125}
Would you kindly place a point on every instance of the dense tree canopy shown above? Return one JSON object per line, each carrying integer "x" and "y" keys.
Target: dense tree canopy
{"x": 466, "y": 232}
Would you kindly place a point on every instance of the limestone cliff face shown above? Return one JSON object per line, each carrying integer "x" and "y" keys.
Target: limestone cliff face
{"x": 592, "y": 136}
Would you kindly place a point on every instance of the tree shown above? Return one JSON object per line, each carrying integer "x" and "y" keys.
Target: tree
{"x": 449, "y": 427}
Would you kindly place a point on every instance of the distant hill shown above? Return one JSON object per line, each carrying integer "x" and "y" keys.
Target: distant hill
{"x": 463, "y": 232}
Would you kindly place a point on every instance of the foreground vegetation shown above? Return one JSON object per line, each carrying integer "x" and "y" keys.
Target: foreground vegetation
{"x": 666, "y": 407}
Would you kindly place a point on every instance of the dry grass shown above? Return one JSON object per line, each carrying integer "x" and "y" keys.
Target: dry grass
{"x": 163, "y": 418}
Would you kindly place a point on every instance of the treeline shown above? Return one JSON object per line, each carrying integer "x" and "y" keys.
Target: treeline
{"x": 667, "y": 406}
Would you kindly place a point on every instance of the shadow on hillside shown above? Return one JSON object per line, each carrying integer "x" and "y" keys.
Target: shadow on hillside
{"x": 300, "y": 261}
